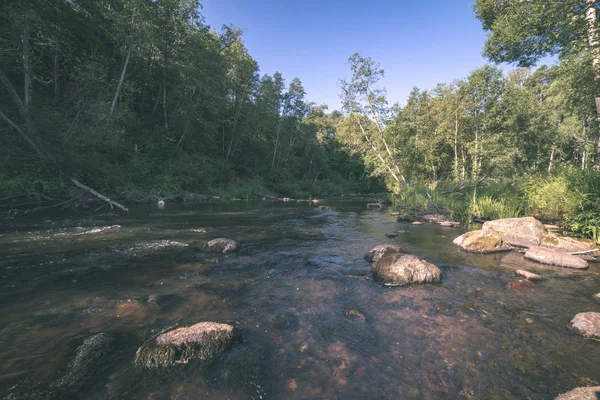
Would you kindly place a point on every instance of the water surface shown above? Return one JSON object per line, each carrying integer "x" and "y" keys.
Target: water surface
{"x": 314, "y": 322}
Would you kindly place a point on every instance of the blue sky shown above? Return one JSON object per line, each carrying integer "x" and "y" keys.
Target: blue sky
{"x": 417, "y": 43}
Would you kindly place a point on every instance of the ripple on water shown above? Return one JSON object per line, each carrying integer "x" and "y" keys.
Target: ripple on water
{"x": 289, "y": 291}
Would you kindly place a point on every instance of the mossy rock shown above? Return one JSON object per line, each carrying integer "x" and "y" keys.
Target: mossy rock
{"x": 355, "y": 313}
{"x": 180, "y": 345}
{"x": 480, "y": 242}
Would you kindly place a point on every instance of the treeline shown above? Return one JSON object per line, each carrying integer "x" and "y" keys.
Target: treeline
{"x": 485, "y": 125}
{"x": 137, "y": 96}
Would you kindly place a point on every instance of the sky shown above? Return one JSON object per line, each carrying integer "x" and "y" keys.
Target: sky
{"x": 417, "y": 43}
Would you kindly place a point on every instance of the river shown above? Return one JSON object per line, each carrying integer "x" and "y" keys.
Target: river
{"x": 314, "y": 322}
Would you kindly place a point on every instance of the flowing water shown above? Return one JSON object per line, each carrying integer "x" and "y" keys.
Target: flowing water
{"x": 314, "y": 322}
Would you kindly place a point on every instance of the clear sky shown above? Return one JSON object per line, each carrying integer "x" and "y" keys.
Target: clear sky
{"x": 418, "y": 43}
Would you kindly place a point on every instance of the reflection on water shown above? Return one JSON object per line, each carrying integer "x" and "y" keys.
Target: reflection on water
{"x": 315, "y": 324}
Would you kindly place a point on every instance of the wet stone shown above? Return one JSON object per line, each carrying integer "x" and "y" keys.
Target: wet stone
{"x": 588, "y": 324}
{"x": 404, "y": 269}
{"x": 180, "y": 345}
{"x": 555, "y": 257}
{"x": 529, "y": 275}
{"x": 221, "y": 245}
{"x": 355, "y": 313}
{"x": 520, "y": 284}
{"x": 417, "y": 223}
{"x": 434, "y": 218}
{"x": 480, "y": 242}
{"x": 392, "y": 234}
{"x": 380, "y": 251}
{"x": 284, "y": 321}
{"x": 581, "y": 393}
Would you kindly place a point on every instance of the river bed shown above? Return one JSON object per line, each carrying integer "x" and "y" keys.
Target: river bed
{"x": 314, "y": 322}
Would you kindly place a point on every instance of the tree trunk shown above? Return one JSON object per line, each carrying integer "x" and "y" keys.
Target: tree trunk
{"x": 594, "y": 44}
{"x": 120, "y": 85}
{"x": 456, "y": 145}
{"x": 26, "y": 61}
{"x": 551, "y": 163}
{"x": 378, "y": 153}
{"x": 475, "y": 172}
{"x": 56, "y": 77}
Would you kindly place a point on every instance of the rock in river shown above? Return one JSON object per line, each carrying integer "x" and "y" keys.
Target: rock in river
{"x": 434, "y": 218}
{"x": 480, "y": 242}
{"x": 529, "y": 275}
{"x": 404, "y": 269}
{"x": 555, "y": 257}
{"x": 382, "y": 250}
{"x": 221, "y": 245}
{"x": 588, "y": 323}
{"x": 581, "y": 393}
{"x": 566, "y": 243}
{"x": 202, "y": 341}
{"x": 524, "y": 232}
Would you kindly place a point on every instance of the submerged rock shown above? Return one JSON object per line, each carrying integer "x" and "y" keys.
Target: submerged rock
{"x": 529, "y": 275}
{"x": 391, "y": 234}
{"x": 417, "y": 223}
{"x": 481, "y": 242}
{"x": 520, "y": 284}
{"x": 374, "y": 205}
{"x": 581, "y": 393}
{"x": 404, "y": 269}
{"x": 221, "y": 245}
{"x": 588, "y": 324}
{"x": 523, "y": 232}
{"x": 382, "y": 250}
{"x": 325, "y": 208}
{"x": 434, "y": 218}
{"x": 395, "y": 214}
{"x": 202, "y": 341}
{"x": 555, "y": 257}
{"x": 354, "y": 313}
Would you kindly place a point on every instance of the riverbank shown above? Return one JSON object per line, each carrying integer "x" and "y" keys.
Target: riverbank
{"x": 567, "y": 198}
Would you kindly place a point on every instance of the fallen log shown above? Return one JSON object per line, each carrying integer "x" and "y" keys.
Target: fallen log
{"x": 100, "y": 196}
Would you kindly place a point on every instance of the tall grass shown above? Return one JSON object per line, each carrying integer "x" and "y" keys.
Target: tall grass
{"x": 568, "y": 196}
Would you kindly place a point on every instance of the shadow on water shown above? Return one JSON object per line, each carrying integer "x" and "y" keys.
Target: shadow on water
{"x": 315, "y": 324}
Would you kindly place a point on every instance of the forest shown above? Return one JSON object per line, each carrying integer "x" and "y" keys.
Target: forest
{"x": 143, "y": 99}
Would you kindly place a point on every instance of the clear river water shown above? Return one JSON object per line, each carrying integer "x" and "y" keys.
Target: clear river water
{"x": 315, "y": 324}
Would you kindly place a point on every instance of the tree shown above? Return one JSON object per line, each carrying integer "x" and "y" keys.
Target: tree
{"x": 365, "y": 101}
{"x": 523, "y": 31}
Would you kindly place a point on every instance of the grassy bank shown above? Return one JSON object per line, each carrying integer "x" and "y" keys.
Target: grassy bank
{"x": 568, "y": 197}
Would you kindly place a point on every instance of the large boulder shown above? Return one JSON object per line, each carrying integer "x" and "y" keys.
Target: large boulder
{"x": 480, "y": 242}
{"x": 380, "y": 251}
{"x": 559, "y": 258}
{"x": 221, "y": 245}
{"x": 404, "y": 269}
{"x": 588, "y": 324}
{"x": 581, "y": 393}
{"x": 202, "y": 341}
{"x": 523, "y": 232}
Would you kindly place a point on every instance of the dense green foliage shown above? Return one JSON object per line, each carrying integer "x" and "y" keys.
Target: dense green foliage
{"x": 136, "y": 96}
{"x": 142, "y": 98}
